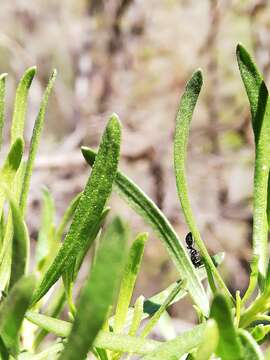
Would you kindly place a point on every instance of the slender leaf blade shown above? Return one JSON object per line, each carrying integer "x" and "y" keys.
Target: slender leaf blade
{"x": 18, "y": 119}
{"x": 260, "y": 111}
{"x": 21, "y": 240}
{"x": 2, "y": 104}
{"x": 128, "y": 280}
{"x": 35, "y": 139}
{"x": 98, "y": 294}
{"x": 46, "y": 236}
{"x": 184, "y": 117}
{"x": 90, "y": 207}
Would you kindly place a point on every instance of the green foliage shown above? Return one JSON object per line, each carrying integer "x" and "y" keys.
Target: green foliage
{"x": 259, "y": 105}
{"x": 103, "y": 321}
{"x": 98, "y": 293}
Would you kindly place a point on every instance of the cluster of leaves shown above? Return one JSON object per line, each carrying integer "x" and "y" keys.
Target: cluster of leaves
{"x": 102, "y": 323}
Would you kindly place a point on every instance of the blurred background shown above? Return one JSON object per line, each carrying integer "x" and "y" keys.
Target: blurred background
{"x": 133, "y": 57}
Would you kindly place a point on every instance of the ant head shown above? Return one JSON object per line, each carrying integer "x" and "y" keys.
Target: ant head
{"x": 189, "y": 239}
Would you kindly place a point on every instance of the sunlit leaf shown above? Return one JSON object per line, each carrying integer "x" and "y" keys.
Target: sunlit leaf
{"x": 90, "y": 207}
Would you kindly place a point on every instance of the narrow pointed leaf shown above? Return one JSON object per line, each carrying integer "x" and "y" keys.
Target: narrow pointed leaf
{"x": 137, "y": 316}
{"x": 18, "y": 119}
{"x": 90, "y": 207}
{"x": 229, "y": 345}
{"x": 10, "y": 167}
{"x": 2, "y": 104}
{"x": 12, "y": 312}
{"x": 260, "y": 111}
{"x": 98, "y": 293}
{"x": 252, "y": 279}
{"x": 146, "y": 208}
{"x": 46, "y": 236}
{"x": 21, "y": 241}
{"x": 35, "y": 139}
{"x": 128, "y": 281}
{"x": 184, "y": 117}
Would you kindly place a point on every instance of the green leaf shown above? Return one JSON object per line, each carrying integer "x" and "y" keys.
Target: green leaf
{"x": 182, "y": 344}
{"x": 229, "y": 345}
{"x": 106, "y": 340}
{"x": 146, "y": 208}
{"x": 21, "y": 240}
{"x": 253, "y": 279}
{"x": 152, "y": 322}
{"x": 209, "y": 341}
{"x": 260, "y": 331}
{"x": 137, "y": 316}
{"x": 46, "y": 243}
{"x": 18, "y": 119}
{"x": 12, "y": 312}
{"x": 90, "y": 207}
{"x": 70, "y": 275}
{"x": 250, "y": 349}
{"x": 184, "y": 117}
{"x": 7, "y": 175}
{"x": 35, "y": 139}
{"x": 259, "y": 104}
{"x": 67, "y": 217}
{"x": 98, "y": 293}
{"x": 128, "y": 281}
{"x": 10, "y": 167}
{"x": 2, "y": 104}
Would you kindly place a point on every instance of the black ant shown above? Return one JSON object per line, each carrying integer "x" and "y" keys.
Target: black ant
{"x": 194, "y": 254}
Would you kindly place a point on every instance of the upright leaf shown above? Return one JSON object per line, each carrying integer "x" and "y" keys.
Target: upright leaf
{"x": 229, "y": 345}
{"x": 260, "y": 111}
{"x": 12, "y": 312}
{"x": 128, "y": 281}
{"x": 46, "y": 236}
{"x": 10, "y": 167}
{"x": 21, "y": 240}
{"x": 18, "y": 119}
{"x": 147, "y": 209}
{"x": 98, "y": 294}
{"x": 184, "y": 117}
{"x": 35, "y": 139}
{"x": 90, "y": 207}
{"x": 2, "y": 104}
